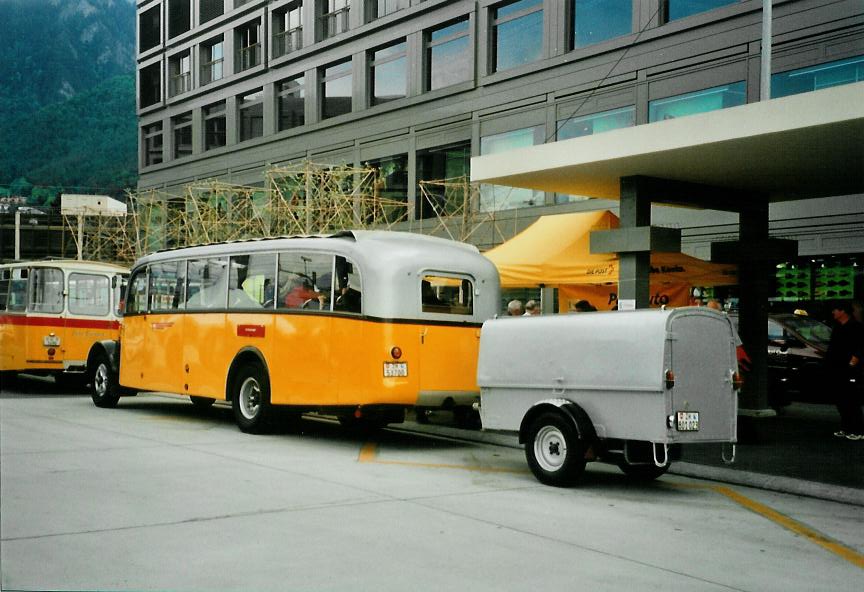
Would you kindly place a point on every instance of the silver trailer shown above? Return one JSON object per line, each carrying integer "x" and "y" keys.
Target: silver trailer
{"x": 625, "y": 387}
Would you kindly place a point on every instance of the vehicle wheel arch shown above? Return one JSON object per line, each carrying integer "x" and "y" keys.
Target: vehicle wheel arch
{"x": 244, "y": 356}
{"x": 564, "y": 407}
{"x": 109, "y": 348}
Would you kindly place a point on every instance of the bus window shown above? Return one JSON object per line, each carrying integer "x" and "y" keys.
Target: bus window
{"x": 46, "y": 294}
{"x": 207, "y": 283}
{"x": 349, "y": 286}
{"x": 305, "y": 281}
{"x": 17, "y": 299}
{"x": 136, "y": 301}
{"x": 166, "y": 285}
{"x": 89, "y": 294}
{"x": 447, "y": 295}
{"x": 252, "y": 281}
{"x": 119, "y": 283}
{"x": 5, "y": 276}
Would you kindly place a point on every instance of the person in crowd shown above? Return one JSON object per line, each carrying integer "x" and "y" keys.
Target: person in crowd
{"x": 515, "y": 309}
{"x": 843, "y": 364}
{"x": 584, "y": 306}
{"x": 531, "y": 308}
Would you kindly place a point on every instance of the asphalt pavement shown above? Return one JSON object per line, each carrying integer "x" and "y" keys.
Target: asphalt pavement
{"x": 795, "y": 452}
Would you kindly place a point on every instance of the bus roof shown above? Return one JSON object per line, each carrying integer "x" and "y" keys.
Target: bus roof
{"x": 70, "y": 264}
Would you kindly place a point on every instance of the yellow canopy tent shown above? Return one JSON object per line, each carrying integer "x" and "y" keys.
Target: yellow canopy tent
{"x": 555, "y": 252}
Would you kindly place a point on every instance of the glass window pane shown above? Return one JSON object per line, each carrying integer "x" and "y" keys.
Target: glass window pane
{"x": 46, "y": 290}
{"x": 676, "y": 9}
{"x": 292, "y": 103}
{"x": 136, "y": 300}
{"x": 89, "y": 294}
{"x": 166, "y": 286}
{"x": 337, "y": 90}
{"x": 390, "y": 81}
{"x": 447, "y": 295}
{"x": 458, "y": 27}
{"x": 348, "y": 287}
{"x": 596, "y": 123}
{"x": 817, "y": 77}
{"x": 710, "y": 99}
{"x": 519, "y": 41}
{"x": 505, "y": 11}
{"x": 450, "y": 63}
{"x": 207, "y": 284}
{"x": 17, "y": 299}
{"x": 598, "y": 20}
{"x": 252, "y": 282}
{"x": 496, "y": 197}
{"x": 305, "y": 281}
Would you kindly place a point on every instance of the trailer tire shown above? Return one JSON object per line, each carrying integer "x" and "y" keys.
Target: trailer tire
{"x": 554, "y": 451}
{"x": 642, "y": 473}
{"x": 105, "y": 390}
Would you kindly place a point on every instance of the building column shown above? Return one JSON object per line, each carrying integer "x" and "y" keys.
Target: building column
{"x": 634, "y": 267}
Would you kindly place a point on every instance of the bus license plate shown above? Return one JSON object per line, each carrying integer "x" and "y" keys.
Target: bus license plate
{"x": 688, "y": 421}
{"x": 394, "y": 369}
{"x": 50, "y": 341}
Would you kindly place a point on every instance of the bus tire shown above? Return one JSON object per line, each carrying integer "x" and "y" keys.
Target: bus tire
{"x": 554, "y": 451}
{"x": 201, "y": 403}
{"x": 643, "y": 472}
{"x": 250, "y": 399}
{"x": 105, "y": 390}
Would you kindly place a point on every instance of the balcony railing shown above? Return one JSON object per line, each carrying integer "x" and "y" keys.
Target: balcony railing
{"x": 179, "y": 84}
{"x": 248, "y": 57}
{"x": 334, "y": 23}
{"x": 211, "y": 71}
{"x": 287, "y": 41}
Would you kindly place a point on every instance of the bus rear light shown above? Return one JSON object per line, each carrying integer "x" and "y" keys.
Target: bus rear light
{"x": 670, "y": 379}
{"x": 396, "y": 352}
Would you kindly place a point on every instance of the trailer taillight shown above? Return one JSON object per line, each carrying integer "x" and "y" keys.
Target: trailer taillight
{"x": 670, "y": 379}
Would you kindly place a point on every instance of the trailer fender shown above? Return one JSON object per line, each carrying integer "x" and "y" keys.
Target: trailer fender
{"x": 568, "y": 409}
{"x": 110, "y": 348}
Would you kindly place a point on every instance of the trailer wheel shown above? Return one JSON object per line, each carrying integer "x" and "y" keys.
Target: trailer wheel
{"x": 554, "y": 451}
{"x": 106, "y": 391}
{"x": 642, "y": 472}
{"x": 250, "y": 399}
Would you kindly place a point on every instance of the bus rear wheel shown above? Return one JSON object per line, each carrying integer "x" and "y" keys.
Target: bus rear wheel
{"x": 250, "y": 399}
{"x": 105, "y": 391}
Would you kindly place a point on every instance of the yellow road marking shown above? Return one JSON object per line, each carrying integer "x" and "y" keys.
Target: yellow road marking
{"x": 369, "y": 454}
{"x": 850, "y": 555}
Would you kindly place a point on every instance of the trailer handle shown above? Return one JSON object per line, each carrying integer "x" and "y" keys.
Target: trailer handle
{"x": 731, "y": 460}
{"x": 665, "y": 454}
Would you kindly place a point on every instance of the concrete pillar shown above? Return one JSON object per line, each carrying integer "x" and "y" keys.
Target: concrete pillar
{"x": 634, "y": 267}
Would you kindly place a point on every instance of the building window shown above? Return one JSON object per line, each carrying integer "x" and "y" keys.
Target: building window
{"x": 448, "y": 55}
{"x": 593, "y": 21}
{"x": 817, "y": 77}
{"x": 212, "y": 60}
{"x": 517, "y": 33}
{"x": 288, "y": 29}
{"x": 251, "y": 115}
{"x": 446, "y": 163}
{"x": 380, "y": 8}
{"x": 149, "y": 29}
{"x": 701, "y": 101}
{"x": 210, "y": 9}
{"x": 336, "y": 82}
{"x": 248, "y": 46}
{"x": 389, "y": 74}
{"x": 332, "y": 17}
{"x": 150, "y": 85}
{"x": 292, "y": 103}
{"x": 496, "y": 197}
{"x": 179, "y": 17}
{"x": 391, "y": 185}
{"x": 180, "y": 68}
{"x": 182, "y": 126}
{"x": 214, "y": 126}
{"x": 596, "y": 123}
{"x": 676, "y": 9}
{"x": 152, "y": 144}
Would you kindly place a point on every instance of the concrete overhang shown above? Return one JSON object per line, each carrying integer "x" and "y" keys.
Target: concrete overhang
{"x": 802, "y": 146}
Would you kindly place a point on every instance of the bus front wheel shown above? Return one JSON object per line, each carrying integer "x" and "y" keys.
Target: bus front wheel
{"x": 106, "y": 390}
{"x": 250, "y": 399}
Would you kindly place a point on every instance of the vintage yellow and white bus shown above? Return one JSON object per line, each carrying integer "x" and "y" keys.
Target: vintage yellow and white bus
{"x": 362, "y": 325}
{"x": 51, "y": 314}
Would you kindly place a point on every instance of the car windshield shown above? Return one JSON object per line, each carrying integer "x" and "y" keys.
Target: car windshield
{"x": 810, "y": 329}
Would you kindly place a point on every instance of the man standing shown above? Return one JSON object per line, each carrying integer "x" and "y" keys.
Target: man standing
{"x": 843, "y": 362}
{"x": 515, "y": 308}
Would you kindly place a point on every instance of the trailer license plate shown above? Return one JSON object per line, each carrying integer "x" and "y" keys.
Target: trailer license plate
{"x": 688, "y": 421}
{"x": 392, "y": 369}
